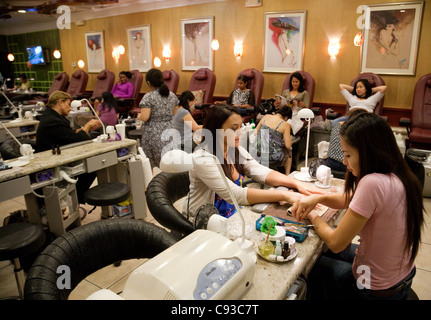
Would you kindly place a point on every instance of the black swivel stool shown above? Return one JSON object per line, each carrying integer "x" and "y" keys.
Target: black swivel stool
{"x": 107, "y": 194}
{"x": 135, "y": 134}
{"x": 18, "y": 240}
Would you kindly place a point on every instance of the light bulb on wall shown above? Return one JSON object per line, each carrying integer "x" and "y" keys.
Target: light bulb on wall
{"x": 166, "y": 53}
{"x": 215, "y": 44}
{"x": 157, "y": 62}
{"x": 117, "y": 52}
{"x": 57, "y": 54}
{"x": 334, "y": 48}
{"x": 81, "y": 64}
{"x": 10, "y": 57}
{"x": 238, "y": 50}
{"x": 359, "y": 39}
{"x": 121, "y": 49}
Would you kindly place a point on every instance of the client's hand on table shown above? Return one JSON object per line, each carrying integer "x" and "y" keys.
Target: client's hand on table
{"x": 308, "y": 189}
{"x": 303, "y": 206}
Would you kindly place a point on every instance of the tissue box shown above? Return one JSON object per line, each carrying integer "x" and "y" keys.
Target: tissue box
{"x": 122, "y": 210}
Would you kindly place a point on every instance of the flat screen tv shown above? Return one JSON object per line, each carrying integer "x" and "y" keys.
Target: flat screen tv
{"x": 35, "y": 55}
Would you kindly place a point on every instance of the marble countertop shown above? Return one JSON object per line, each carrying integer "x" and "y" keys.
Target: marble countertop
{"x": 14, "y": 124}
{"x": 46, "y": 160}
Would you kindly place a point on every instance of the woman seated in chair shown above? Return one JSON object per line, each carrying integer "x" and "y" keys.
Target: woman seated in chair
{"x": 221, "y": 137}
{"x": 361, "y": 95}
{"x": 277, "y": 141}
{"x": 123, "y": 88}
{"x": 183, "y": 121}
{"x": 107, "y": 110}
{"x": 242, "y": 97}
{"x": 296, "y": 95}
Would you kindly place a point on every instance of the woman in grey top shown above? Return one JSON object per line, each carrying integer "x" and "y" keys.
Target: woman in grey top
{"x": 183, "y": 121}
{"x": 157, "y": 107}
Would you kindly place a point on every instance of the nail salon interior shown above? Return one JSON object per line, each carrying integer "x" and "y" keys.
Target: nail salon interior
{"x": 151, "y": 222}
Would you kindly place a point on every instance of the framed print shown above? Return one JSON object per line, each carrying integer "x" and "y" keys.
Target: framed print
{"x": 284, "y": 34}
{"x": 95, "y": 51}
{"x": 197, "y": 35}
{"x": 391, "y": 38}
{"x": 139, "y": 41}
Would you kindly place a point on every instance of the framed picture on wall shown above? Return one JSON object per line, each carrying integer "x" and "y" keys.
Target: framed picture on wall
{"x": 284, "y": 34}
{"x": 139, "y": 40}
{"x": 197, "y": 35}
{"x": 391, "y": 38}
{"x": 95, "y": 51}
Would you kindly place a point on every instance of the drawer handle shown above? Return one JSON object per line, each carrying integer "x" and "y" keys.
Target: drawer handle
{"x": 103, "y": 160}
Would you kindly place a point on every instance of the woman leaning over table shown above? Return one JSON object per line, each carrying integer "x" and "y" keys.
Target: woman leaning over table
{"x": 221, "y": 132}
{"x": 384, "y": 206}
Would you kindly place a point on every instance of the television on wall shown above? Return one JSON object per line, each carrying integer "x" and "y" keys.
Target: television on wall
{"x": 35, "y": 55}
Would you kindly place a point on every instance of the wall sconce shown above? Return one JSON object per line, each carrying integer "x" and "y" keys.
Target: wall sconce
{"x": 81, "y": 64}
{"x": 157, "y": 62}
{"x": 238, "y": 50}
{"x": 215, "y": 45}
{"x": 166, "y": 53}
{"x": 57, "y": 54}
{"x": 10, "y": 57}
{"x": 334, "y": 48}
{"x": 359, "y": 39}
{"x": 117, "y": 52}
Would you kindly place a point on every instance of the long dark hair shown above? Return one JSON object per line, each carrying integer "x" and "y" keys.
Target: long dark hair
{"x": 379, "y": 153}
{"x": 218, "y": 115}
{"x": 367, "y": 85}
{"x": 155, "y": 78}
{"x": 298, "y": 76}
{"x": 185, "y": 97}
{"x": 109, "y": 101}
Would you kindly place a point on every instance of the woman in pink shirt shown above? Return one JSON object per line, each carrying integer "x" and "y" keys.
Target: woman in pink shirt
{"x": 123, "y": 88}
{"x": 383, "y": 202}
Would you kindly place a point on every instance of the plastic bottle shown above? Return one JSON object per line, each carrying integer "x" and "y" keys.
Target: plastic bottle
{"x": 277, "y": 250}
{"x": 253, "y": 125}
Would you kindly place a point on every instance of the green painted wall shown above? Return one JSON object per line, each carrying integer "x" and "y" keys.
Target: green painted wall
{"x": 43, "y": 75}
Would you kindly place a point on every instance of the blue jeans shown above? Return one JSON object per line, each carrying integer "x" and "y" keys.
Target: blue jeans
{"x": 332, "y": 279}
{"x": 340, "y": 119}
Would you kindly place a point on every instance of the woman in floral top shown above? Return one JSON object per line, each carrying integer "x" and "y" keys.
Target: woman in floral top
{"x": 242, "y": 97}
{"x": 156, "y": 112}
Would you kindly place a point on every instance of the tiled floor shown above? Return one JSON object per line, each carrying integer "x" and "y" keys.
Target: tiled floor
{"x": 114, "y": 278}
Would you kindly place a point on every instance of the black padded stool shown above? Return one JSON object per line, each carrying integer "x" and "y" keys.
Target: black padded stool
{"x": 135, "y": 134}
{"x": 18, "y": 240}
{"x": 107, "y": 194}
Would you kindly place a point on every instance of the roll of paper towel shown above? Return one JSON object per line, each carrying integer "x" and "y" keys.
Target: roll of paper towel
{"x": 148, "y": 173}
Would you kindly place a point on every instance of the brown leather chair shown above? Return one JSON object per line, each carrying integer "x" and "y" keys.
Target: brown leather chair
{"x": 309, "y": 84}
{"x": 202, "y": 79}
{"x": 60, "y": 82}
{"x": 77, "y": 84}
{"x": 131, "y": 105}
{"x": 171, "y": 79}
{"x": 419, "y": 126}
{"x": 105, "y": 82}
{"x": 255, "y": 84}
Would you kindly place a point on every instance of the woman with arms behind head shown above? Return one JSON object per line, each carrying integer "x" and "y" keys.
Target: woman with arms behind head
{"x": 157, "y": 108}
{"x": 384, "y": 206}
{"x": 221, "y": 132}
{"x": 362, "y": 96}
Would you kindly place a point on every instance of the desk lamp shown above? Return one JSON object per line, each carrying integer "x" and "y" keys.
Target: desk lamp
{"x": 307, "y": 114}
{"x": 25, "y": 149}
{"x": 179, "y": 161}
{"x": 75, "y": 104}
{"x": 13, "y": 107}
